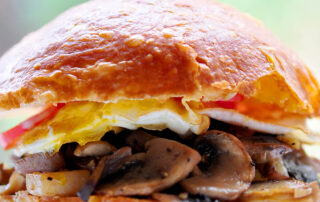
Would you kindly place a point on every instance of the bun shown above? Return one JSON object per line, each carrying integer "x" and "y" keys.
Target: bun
{"x": 271, "y": 191}
{"x": 24, "y": 196}
{"x": 109, "y": 50}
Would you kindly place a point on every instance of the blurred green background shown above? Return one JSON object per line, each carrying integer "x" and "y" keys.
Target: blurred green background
{"x": 295, "y": 22}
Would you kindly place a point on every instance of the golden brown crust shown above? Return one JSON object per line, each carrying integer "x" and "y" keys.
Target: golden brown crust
{"x": 286, "y": 190}
{"x": 108, "y": 50}
{"x": 25, "y": 197}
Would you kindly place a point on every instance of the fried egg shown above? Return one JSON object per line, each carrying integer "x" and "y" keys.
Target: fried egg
{"x": 292, "y": 129}
{"x": 83, "y": 122}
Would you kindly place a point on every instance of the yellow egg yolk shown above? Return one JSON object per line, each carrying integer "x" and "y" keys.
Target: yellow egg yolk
{"x": 83, "y": 122}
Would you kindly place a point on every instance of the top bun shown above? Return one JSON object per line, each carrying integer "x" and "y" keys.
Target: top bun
{"x": 106, "y": 50}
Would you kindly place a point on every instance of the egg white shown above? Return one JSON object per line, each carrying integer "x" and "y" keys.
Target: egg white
{"x": 277, "y": 128}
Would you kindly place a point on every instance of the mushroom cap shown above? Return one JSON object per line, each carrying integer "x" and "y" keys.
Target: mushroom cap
{"x": 41, "y": 162}
{"x": 105, "y": 50}
{"x": 226, "y": 170}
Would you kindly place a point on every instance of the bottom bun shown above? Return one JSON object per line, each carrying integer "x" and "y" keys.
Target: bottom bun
{"x": 286, "y": 190}
{"x": 23, "y": 196}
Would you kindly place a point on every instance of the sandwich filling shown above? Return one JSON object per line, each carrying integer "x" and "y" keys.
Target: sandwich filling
{"x": 170, "y": 150}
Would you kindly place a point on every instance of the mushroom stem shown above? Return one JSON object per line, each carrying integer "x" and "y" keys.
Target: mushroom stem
{"x": 106, "y": 166}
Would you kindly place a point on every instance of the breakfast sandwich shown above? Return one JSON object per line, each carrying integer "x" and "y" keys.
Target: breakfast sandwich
{"x": 158, "y": 100}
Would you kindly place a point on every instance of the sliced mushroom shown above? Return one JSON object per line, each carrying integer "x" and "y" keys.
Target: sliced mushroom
{"x": 97, "y": 148}
{"x": 107, "y": 165}
{"x": 137, "y": 140}
{"x": 166, "y": 162}
{"x": 40, "y": 162}
{"x": 63, "y": 183}
{"x": 16, "y": 183}
{"x": 285, "y": 190}
{"x": 267, "y": 153}
{"x": 265, "y": 148}
{"x": 226, "y": 167}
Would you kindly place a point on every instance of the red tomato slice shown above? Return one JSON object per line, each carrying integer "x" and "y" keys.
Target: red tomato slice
{"x": 226, "y": 104}
{"x": 9, "y": 138}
